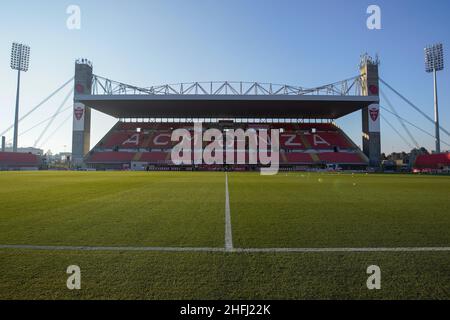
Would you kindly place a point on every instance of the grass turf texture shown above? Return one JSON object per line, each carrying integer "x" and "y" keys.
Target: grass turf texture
{"x": 187, "y": 209}
{"x": 111, "y": 209}
{"x": 340, "y": 210}
{"x": 148, "y": 275}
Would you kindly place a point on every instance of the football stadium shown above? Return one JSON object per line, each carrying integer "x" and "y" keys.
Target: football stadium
{"x": 138, "y": 144}
{"x": 225, "y": 190}
{"x": 141, "y": 227}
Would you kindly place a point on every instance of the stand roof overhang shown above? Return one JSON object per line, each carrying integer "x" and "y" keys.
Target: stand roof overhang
{"x": 227, "y": 106}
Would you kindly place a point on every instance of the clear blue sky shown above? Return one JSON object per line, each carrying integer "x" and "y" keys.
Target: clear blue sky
{"x": 305, "y": 43}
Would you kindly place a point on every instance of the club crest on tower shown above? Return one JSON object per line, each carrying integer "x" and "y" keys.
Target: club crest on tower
{"x": 78, "y": 111}
{"x": 374, "y": 113}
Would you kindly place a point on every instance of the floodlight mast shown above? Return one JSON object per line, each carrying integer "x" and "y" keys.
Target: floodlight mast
{"x": 436, "y": 114}
{"x": 20, "y": 57}
{"x": 16, "y": 117}
{"x": 434, "y": 61}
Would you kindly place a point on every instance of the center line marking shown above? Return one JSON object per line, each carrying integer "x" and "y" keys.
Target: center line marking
{"x": 228, "y": 231}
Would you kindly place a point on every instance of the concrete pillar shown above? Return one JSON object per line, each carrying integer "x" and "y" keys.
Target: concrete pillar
{"x": 81, "y": 136}
{"x": 3, "y": 143}
{"x": 371, "y": 134}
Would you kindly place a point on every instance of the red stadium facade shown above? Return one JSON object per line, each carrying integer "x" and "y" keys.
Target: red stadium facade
{"x": 303, "y": 119}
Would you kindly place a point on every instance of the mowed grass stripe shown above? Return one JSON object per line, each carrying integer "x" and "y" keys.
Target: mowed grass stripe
{"x": 313, "y": 210}
{"x": 184, "y": 275}
{"x": 112, "y": 209}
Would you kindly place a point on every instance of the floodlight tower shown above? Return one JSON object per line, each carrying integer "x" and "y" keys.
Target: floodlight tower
{"x": 434, "y": 61}
{"x": 20, "y": 58}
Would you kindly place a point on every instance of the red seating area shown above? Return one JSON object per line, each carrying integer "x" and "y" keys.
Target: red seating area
{"x": 292, "y": 141}
{"x": 341, "y": 157}
{"x": 16, "y": 159}
{"x": 162, "y": 139}
{"x": 297, "y": 158}
{"x": 111, "y": 157}
{"x": 153, "y": 144}
{"x": 285, "y": 158}
{"x": 122, "y": 139}
{"x": 432, "y": 161}
{"x": 327, "y": 140}
{"x": 128, "y": 140}
{"x": 154, "y": 157}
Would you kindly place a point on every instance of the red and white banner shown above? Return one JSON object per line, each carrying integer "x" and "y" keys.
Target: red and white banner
{"x": 78, "y": 116}
{"x": 374, "y": 118}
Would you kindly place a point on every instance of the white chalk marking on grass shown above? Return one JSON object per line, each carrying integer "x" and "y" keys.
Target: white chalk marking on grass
{"x": 228, "y": 231}
{"x": 234, "y": 250}
{"x": 330, "y": 250}
{"x": 89, "y": 248}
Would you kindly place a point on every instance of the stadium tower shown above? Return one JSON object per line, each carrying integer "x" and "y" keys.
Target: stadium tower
{"x": 81, "y": 136}
{"x": 371, "y": 114}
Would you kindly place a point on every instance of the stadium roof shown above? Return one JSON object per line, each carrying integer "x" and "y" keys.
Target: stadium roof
{"x": 226, "y": 106}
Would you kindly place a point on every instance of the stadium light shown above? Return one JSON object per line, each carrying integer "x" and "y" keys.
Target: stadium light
{"x": 20, "y": 59}
{"x": 434, "y": 61}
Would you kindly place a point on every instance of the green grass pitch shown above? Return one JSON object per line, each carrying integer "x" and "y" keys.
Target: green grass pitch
{"x": 187, "y": 209}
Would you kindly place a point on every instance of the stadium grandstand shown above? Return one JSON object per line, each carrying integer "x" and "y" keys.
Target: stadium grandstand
{"x": 309, "y": 136}
{"x": 19, "y": 161}
{"x": 138, "y": 145}
{"x": 439, "y": 162}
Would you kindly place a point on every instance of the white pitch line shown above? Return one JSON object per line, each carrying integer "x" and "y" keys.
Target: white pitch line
{"x": 111, "y": 248}
{"x": 330, "y": 250}
{"x": 228, "y": 231}
{"x": 233, "y": 250}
